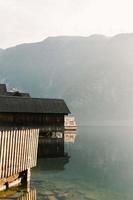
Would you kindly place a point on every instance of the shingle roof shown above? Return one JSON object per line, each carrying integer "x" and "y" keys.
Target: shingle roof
{"x": 10, "y": 104}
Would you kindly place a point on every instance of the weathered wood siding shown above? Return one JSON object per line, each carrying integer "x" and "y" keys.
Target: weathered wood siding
{"x": 18, "y": 150}
{"x": 30, "y": 118}
{"x": 47, "y": 121}
{"x": 29, "y": 196}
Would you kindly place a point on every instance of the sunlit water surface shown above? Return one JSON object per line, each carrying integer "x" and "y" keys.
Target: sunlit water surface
{"x": 100, "y": 167}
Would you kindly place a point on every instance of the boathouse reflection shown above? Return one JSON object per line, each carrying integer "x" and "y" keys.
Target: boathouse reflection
{"x": 16, "y": 194}
{"x": 51, "y": 164}
{"x": 51, "y": 143}
{"x": 52, "y": 151}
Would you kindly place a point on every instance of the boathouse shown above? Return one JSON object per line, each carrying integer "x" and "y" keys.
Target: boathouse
{"x": 21, "y": 119}
{"x": 19, "y": 109}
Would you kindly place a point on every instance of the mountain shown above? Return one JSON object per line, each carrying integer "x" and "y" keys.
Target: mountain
{"x": 93, "y": 74}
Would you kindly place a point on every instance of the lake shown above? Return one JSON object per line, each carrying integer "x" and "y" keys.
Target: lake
{"x": 100, "y": 167}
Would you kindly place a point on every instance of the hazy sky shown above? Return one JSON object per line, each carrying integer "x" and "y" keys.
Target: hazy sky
{"x": 33, "y": 20}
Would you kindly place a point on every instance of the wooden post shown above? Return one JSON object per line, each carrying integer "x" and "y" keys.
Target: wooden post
{"x": 28, "y": 175}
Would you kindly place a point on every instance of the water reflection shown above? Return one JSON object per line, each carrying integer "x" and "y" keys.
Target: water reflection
{"x": 19, "y": 194}
{"x": 51, "y": 164}
{"x": 51, "y": 143}
{"x": 69, "y": 136}
{"x": 59, "y": 160}
{"x": 100, "y": 167}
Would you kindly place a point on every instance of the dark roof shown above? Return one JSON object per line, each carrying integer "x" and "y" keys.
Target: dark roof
{"x": 11, "y": 104}
{"x": 3, "y": 89}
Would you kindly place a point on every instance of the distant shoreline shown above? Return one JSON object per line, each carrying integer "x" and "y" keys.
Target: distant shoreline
{"x": 107, "y": 123}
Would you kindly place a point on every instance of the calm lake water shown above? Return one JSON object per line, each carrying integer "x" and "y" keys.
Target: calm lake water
{"x": 100, "y": 167}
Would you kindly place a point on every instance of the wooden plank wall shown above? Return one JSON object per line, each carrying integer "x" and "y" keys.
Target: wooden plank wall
{"x": 18, "y": 151}
{"x": 29, "y": 196}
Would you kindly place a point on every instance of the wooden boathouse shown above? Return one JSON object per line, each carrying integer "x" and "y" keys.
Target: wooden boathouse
{"x": 35, "y": 112}
{"x": 20, "y": 109}
{"x": 21, "y": 119}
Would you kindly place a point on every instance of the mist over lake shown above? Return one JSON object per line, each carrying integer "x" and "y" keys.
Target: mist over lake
{"x": 100, "y": 167}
